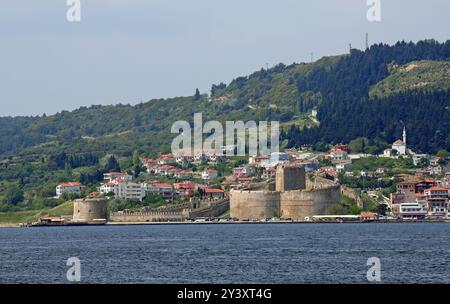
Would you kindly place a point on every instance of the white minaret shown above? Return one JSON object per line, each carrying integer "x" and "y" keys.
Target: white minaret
{"x": 404, "y": 135}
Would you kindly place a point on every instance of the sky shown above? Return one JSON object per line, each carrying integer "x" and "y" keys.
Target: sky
{"x": 131, "y": 51}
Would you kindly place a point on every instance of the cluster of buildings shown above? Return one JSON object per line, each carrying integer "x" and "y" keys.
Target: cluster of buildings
{"x": 122, "y": 186}
{"x": 421, "y": 199}
{"x": 418, "y": 199}
{"x": 169, "y": 159}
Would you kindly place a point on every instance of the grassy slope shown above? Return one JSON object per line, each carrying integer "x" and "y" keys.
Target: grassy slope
{"x": 65, "y": 210}
{"x": 423, "y": 74}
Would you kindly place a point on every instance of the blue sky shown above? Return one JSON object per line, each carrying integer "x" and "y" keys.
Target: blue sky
{"x": 130, "y": 51}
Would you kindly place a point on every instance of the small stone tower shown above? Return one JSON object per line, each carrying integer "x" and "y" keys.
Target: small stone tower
{"x": 290, "y": 178}
{"x": 90, "y": 210}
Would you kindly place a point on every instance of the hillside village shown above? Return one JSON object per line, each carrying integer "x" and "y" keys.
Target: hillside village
{"x": 397, "y": 183}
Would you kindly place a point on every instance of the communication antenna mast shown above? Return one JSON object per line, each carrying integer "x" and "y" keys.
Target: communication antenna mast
{"x": 312, "y": 57}
{"x": 367, "y": 41}
{"x": 350, "y": 46}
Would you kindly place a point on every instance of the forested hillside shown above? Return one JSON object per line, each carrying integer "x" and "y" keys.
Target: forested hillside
{"x": 365, "y": 94}
{"x": 337, "y": 87}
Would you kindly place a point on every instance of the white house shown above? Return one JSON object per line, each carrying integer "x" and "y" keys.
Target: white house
{"x": 209, "y": 174}
{"x": 112, "y": 176}
{"x": 183, "y": 159}
{"x": 124, "y": 189}
{"x": 73, "y": 187}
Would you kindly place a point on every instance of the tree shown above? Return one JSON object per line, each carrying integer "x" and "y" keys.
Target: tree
{"x": 136, "y": 160}
{"x": 13, "y": 195}
{"x": 423, "y": 162}
{"x": 443, "y": 154}
{"x": 112, "y": 165}
{"x": 137, "y": 170}
{"x": 358, "y": 145}
{"x": 197, "y": 95}
{"x": 68, "y": 170}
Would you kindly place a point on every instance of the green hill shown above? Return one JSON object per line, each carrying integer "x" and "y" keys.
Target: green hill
{"x": 369, "y": 94}
{"x": 284, "y": 93}
{"x": 425, "y": 75}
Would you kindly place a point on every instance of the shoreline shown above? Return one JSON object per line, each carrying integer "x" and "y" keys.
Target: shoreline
{"x": 21, "y": 225}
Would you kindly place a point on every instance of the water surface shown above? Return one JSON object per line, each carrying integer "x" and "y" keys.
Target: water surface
{"x": 248, "y": 253}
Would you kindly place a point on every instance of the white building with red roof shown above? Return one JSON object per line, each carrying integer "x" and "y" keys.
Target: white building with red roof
{"x": 163, "y": 189}
{"x": 71, "y": 187}
{"x": 437, "y": 198}
{"x": 112, "y": 176}
{"x": 123, "y": 189}
{"x": 209, "y": 174}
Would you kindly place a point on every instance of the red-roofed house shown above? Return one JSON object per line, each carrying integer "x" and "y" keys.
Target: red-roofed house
{"x": 437, "y": 198}
{"x": 163, "y": 189}
{"x": 209, "y": 174}
{"x": 214, "y": 193}
{"x": 243, "y": 171}
{"x": 185, "y": 189}
{"x": 72, "y": 187}
{"x": 112, "y": 176}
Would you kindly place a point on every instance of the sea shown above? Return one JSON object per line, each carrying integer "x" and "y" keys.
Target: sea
{"x": 373, "y": 253}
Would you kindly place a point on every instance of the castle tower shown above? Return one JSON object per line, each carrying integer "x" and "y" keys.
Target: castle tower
{"x": 290, "y": 178}
{"x": 90, "y": 210}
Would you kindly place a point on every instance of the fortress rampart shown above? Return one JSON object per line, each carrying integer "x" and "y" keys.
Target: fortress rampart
{"x": 291, "y": 200}
{"x": 210, "y": 209}
{"x": 254, "y": 204}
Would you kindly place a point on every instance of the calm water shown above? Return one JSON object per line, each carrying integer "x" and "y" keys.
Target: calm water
{"x": 277, "y": 253}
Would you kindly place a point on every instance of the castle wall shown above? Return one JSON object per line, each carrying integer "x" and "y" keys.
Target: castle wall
{"x": 155, "y": 216}
{"x": 214, "y": 210}
{"x": 254, "y": 204}
{"x": 354, "y": 194}
{"x": 300, "y": 204}
{"x": 211, "y": 209}
{"x": 296, "y": 204}
{"x": 89, "y": 209}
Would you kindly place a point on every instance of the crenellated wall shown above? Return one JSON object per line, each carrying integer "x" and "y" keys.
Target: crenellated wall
{"x": 154, "y": 216}
{"x": 212, "y": 208}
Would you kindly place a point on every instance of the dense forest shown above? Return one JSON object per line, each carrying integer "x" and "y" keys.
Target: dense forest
{"x": 423, "y": 113}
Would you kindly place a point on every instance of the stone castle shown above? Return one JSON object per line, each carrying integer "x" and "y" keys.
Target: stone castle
{"x": 291, "y": 197}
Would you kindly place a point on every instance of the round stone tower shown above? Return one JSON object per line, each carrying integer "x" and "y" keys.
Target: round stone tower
{"x": 90, "y": 210}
